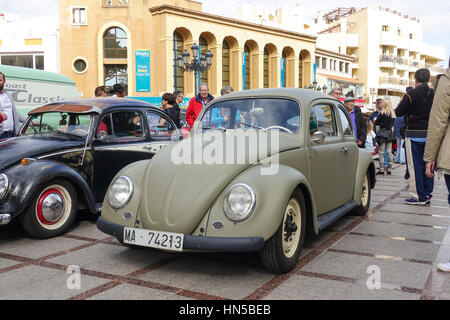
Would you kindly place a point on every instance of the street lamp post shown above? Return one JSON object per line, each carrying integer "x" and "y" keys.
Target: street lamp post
{"x": 324, "y": 89}
{"x": 197, "y": 65}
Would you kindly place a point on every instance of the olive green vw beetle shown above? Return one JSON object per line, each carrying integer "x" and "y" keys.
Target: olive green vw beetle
{"x": 259, "y": 169}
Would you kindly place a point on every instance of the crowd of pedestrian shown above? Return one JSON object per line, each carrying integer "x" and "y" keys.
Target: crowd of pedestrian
{"x": 419, "y": 126}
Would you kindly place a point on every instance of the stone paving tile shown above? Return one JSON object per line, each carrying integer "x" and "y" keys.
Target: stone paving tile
{"x": 389, "y": 247}
{"x": 7, "y": 263}
{"x": 87, "y": 229}
{"x": 415, "y": 209}
{"x": 412, "y": 219}
{"x": 34, "y": 282}
{"x": 391, "y": 230}
{"x": 209, "y": 276}
{"x": 402, "y": 273}
{"x": 34, "y": 248}
{"x": 446, "y": 286}
{"x": 307, "y": 288}
{"x": 133, "y": 292}
{"x": 111, "y": 258}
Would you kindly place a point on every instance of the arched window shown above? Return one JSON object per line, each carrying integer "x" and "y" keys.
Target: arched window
{"x": 178, "y": 76}
{"x": 115, "y": 43}
{"x": 225, "y": 64}
{"x": 203, "y": 44}
{"x": 266, "y": 68}
{"x": 115, "y": 47}
{"x": 247, "y": 67}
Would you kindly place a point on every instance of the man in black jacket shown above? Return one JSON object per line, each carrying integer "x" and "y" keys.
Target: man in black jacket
{"x": 359, "y": 124}
{"x": 416, "y": 106}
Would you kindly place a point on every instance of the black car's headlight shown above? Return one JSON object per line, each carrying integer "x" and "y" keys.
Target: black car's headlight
{"x": 4, "y": 185}
{"x": 239, "y": 202}
{"x": 120, "y": 192}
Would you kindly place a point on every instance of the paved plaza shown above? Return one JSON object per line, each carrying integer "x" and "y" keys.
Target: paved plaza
{"x": 391, "y": 253}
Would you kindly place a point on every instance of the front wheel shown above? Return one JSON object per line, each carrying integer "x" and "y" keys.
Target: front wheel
{"x": 281, "y": 252}
{"x": 52, "y": 210}
{"x": 365, "y": 198}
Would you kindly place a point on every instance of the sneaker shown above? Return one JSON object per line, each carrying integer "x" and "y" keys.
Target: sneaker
{"x": 428, "y": 199}
{"x": 416, "y": 202}
{"x": 388, "y": 172}
{"x": 444, "y": 267}
{"x": 380, "y": 173}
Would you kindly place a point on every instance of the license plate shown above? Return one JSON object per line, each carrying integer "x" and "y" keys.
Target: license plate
{"x": 153, "y": 239}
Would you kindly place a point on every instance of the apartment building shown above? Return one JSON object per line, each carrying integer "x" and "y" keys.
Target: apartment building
{"x": 387, "y": 44}
{"x": 32, "y": 43}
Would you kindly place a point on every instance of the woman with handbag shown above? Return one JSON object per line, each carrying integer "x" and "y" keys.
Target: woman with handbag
{"x": 385, "y": 134}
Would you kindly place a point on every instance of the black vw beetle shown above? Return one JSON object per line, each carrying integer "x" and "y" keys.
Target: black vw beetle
{"x": 66, "y": 155}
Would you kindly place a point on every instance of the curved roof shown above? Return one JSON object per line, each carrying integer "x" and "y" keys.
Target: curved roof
{"x": 33, "y": 74}
{"x": 303, "y": 95}
{"x": 88, "y": 105}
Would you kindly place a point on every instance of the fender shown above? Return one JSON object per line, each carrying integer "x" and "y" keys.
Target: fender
{"x": 365, "y": 164}
{"x": 272, "y": 195}
{"x": 27, "y": 179}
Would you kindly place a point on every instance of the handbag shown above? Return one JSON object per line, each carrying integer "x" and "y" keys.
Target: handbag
{"x": 383, "y": 133}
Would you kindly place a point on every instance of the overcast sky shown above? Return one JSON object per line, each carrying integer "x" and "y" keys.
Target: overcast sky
{"x": 434, "y": 14}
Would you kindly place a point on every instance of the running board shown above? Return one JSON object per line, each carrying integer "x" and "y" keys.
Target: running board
{"x": 328, "y": 218}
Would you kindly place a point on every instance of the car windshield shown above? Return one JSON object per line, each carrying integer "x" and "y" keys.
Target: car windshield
{"x": 256, "y": 113}
{"x": 67, "y": 123}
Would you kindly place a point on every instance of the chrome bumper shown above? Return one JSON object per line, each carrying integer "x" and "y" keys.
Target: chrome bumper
{"x": 5, "y": 219}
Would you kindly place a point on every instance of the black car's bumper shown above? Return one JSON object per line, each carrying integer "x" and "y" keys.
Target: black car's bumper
{"x": 196, "y": 243}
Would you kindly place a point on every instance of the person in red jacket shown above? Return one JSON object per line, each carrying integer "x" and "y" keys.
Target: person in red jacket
{"x": 197, "y": 103}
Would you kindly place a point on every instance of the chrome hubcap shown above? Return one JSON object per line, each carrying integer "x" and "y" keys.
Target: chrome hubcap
{"x": 53, "y": 207}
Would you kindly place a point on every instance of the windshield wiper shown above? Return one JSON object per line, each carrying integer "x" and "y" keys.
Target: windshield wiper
{"x": 251, "y": 125}
{"x": 219, "y": 128}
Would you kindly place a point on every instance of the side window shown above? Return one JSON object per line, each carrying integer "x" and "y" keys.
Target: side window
{"x": 322, "y": 118}
{"x": 122, "y": 124}
{"x": 159, "y": 126}
{"x": 345, "y": 121}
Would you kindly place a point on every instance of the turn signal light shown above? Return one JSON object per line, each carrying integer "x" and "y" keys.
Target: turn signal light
{"x": 26, "y": 161}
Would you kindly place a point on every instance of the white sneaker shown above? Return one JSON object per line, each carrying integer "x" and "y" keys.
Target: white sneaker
{"x": 444, "y": 267}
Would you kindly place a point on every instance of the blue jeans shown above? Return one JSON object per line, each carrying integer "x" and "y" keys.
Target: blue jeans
{"x": 400, "y": 156}
{"x": 424, "y": 185}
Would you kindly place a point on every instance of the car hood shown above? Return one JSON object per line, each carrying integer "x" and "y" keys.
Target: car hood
{"x": 12, "y": 150}
{"x": 176, "y": 196}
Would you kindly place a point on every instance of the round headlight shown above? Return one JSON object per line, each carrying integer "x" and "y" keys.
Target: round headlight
{"x": 120, "y": 192}
{"x": 239, "y": 202}
{"x": 4, "y": 184}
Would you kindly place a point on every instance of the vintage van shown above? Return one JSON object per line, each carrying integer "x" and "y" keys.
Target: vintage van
{"x": 31, "y": 88}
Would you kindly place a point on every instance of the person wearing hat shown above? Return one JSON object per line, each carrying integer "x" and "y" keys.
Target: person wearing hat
{"x": 359, "y": 124}
{"x": 118, "y": 90}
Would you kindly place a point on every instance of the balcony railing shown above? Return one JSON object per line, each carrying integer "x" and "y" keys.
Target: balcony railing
{"x": 389, "y": 80}
{"x": 115, "y": 3}
{"x": 388, "y": 58}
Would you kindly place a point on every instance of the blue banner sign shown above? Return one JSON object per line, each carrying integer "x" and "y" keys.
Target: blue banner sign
{"x": 283, "y": 70}
{"x": 157, "y": 101}
{"x": 142, "y": 70}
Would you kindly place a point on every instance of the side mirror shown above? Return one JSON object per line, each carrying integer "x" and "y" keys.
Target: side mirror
{"x": 318, "y": 137}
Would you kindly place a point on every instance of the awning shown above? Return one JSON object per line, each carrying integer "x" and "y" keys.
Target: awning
{"x": 343, "y": 79}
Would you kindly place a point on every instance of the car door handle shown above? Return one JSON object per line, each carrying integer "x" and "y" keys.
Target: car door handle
{"x": 344, "y": 149}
